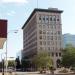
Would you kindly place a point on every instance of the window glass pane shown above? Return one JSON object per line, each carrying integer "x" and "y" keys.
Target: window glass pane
{"x": 58, "y": 32}
{"x": 59, "y": 54}
{"x": 50, "y": 18}
{"x": 40, "y": 19}
{"x": 46, "y": 19}
{"x": 56, "y": 54}
{"x": 58, "y": 18}
{"x": 44, "y": 32}
{"x": 43, "y": 19}
{"x": 40, "y": 37}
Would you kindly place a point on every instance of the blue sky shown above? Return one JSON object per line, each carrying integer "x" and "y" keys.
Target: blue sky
{"x": 17, "y": 12}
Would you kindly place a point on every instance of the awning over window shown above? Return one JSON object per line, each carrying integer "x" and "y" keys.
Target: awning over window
{"x": 3, "y": 32}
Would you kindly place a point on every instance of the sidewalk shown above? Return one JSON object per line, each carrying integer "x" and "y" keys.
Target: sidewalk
{"x": 23, "y": 73}
{"x": 9, "y": 73}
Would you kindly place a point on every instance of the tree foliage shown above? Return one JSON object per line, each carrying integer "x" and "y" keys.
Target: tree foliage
{"x": 11, "y": 63}
{"x": 42, "y": 59}
{"x": 25, "y": 64}
{"x": 68, "y": 57}
{"x": 18, "y": 64}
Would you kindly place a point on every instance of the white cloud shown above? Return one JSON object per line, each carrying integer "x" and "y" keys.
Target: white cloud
{"x": 14, "y": 1}
{"x": 11, "y": 13}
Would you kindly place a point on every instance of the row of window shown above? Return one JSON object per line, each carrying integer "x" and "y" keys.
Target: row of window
{"x": 49, "y": 37}
{"x": 28, "y": 47}
{"x": 56, "y": 54}
{"x": 49, "y": 43}
{"x": 50, "y": 48}
{"x": 46, "y": 19}
{"x": 49, "y": 32}
{"x": 50, "y": 26}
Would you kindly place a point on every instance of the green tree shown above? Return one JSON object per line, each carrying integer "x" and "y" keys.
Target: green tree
{"x": 68, "y": 57}
{"x": 25, "y": 64}
{"x": 42, "y": 60}
{"x": 11, "y": 63}
{"x": 18, "y": 63}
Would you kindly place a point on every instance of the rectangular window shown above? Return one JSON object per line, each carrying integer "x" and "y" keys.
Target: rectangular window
{"x": 44, "y": 26}
{"x": 40, "y": 42}
{"x": 40, "y": 19}
{"x": 55, "y": 37}
{"x": 60, "y": 54}
{"x": 51, "y": 26}
{"x": 48, "y": 37}
{"x": 56, "y": 54}
{"x": 41, "y": 48}
{"x": 55, "y": 33}
{"x": 40, "y": 31}
{"x": 44, "y": 32}
{"x": 44, "y": 37}
{"x": 55, "y": 26}
{"x": 59, "y": 37}
{"x": 58, "y": 18}
{"x": 43, "y": 19}
{"x": 40, "y": 26}
{"x": 52, "y": 32}
{"x": 46, "y": 19}
{"x": 44, "y": 42}
{"x": 47, "y": 32}
{"x": 52, "y": 54}
{"x": 50, "y": 18}
{"x": 59, "y": 32}
{"x": 51, "y": 37}
{"x": 40, "y": 37}
{"x": 48, "y": 48}
{"x": 54, "y": 18}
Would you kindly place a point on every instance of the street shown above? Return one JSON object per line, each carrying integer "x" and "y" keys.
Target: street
{"x": 33, "y": 73}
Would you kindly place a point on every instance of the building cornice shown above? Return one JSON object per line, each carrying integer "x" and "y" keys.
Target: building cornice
{"x": 41, "y": 10}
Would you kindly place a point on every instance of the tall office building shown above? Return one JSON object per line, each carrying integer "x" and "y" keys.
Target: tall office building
{"x": 43, "y": 31}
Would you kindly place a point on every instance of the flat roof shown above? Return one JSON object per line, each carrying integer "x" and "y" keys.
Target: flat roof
{"x": 54, "y": 10}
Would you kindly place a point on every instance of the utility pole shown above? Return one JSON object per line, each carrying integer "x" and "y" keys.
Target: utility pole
{"x": 2, "y": 66}
{"x": 37, "y": 3}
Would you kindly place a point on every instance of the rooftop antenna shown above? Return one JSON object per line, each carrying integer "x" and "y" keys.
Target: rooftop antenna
{"x": 37, "y": 3}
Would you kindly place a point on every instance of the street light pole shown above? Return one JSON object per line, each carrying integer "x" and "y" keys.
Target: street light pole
{"x": 6, "y": 55}
{"x": 2, "y": 59}
{"x": 15, "y": 31}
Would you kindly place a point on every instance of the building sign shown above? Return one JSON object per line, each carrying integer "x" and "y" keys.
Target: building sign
{"x": 3, "y": 32}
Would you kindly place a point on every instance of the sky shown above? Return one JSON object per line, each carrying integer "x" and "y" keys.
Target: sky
{"x": 17, "y": 12}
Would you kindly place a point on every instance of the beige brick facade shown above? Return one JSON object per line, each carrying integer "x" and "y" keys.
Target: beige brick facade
{"x": 43, "y": 31}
